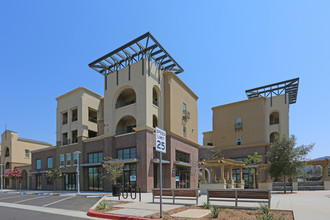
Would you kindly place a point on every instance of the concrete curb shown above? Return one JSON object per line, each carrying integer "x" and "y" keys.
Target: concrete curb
{"x": 113, "y": 216}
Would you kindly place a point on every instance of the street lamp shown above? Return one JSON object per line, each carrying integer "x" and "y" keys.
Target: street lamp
{"x": 78, "y": 171}
{"x": 1, "y": 165}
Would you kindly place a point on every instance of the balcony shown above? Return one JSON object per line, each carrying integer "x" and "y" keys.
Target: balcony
{"x": 122, "y": 104}
{"x": 92, "y": 119}
{"x": 65, "y": 142}
{"x": 155, "y": 102}
{"x": 238, "y": 126}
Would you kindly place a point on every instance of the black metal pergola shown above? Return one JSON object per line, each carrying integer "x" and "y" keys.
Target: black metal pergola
{"x": 145, "y": 46}
{"x": 288, "y": 86}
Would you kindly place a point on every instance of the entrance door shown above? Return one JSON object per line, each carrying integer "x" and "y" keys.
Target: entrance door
{"x": 38, "y": 180}
{"x": 95, "y": 180}
{"x": 129, "y": 170}
{"x": 70, "y": 181}
{"x": 184, "y": 177}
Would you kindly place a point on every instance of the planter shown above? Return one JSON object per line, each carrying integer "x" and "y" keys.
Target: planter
{"x": 116, "y": 189}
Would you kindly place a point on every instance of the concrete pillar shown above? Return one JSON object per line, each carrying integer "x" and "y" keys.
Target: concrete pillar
{"x": 325, "y": 172}
{"x": 231, "y": 183}
{"x": 222, "y": 179}
{"x": 203, "y": 175}
{"x": 214, "y": 178}
{"x": 241, "y": 180}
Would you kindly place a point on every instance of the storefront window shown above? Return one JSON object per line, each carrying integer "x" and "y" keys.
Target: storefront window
{"x": 95, "y": 157}
{"x": 95, "y": 180}
{"x": 70, "y": 181}
{"x": 182, "y": 156}
{"x": 184, "y": 177}
{"x": 128, "y": 153}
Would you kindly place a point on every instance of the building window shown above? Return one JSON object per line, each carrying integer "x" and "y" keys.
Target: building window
{"x": 128, "y": 153}
{"x": 50, "y": 162}
{"x": 75, "y": 159}
{"x": 7, "y": 152}
{"x": 64, "y": 118}
{"x": 154, "y": 97}
{"x": 182, "y": 156}
{"x": 7, "y": 165}
{"x": 92, "y": 134}
{"x": 127, "y": 97}
{"x": 68, "y": 159}
{"x": 239, "y": 140}
{"x": 184, "y": 106}
{"x": 95, "y": 178}
{"x": 184, "y": 177}
{"x": 184, "y": 132}
{"x": 274, "y": 118}
{"x": 62, "y": 160}
{"x": 74, "y": 136}
{"x": 27, "y": 153}
{"x": 92, "y": 115}
{"x": 74, "y": 114}
{"x": 70, "y": 181}
{"x": 209, "y": 144}
{"x": 65, "y": 138}
{"x": 238, "y": 124}
{"x": 129, "y": 170}
{"x": 38, "y": 164}
{"x": 95, "y": 157}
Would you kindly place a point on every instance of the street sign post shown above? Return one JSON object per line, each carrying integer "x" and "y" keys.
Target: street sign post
{"x": 161, "y": 148}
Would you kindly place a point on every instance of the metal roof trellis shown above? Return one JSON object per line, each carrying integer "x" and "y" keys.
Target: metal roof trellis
{"x": 145, "y": 46}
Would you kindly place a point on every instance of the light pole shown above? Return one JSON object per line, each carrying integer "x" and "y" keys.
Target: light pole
{"x": 78, "y": 171}
{"x": 1, "y": 165}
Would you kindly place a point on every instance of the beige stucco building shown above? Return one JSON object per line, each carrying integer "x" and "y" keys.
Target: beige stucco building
{"x": 142, "y": 90}
{"x": 245, "y": 127}
{"x": 17, "y": 154}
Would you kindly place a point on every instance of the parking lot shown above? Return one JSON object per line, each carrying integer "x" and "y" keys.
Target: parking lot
{"x": 65, "y": 201}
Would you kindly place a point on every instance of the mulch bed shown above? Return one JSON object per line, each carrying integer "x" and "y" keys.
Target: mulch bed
{"x": 225, "y": 213}
{"x": 110, "y": 207}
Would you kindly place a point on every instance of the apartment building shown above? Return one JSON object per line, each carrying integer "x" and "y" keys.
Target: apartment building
{"x": 245, "y": 127}
{"x": 17, "y": 154}
{"x": 142, "y": 90}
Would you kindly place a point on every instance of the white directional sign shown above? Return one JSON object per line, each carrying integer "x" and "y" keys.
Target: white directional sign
{"x": 160, "y": 140}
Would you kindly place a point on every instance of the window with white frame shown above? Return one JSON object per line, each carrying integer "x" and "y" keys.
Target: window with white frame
{"x": 75, "y": 159}
{"x": 62, "y": 160}
{"x": 68, "y": 159}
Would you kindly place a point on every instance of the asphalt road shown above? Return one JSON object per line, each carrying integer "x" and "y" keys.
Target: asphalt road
{"x": 69, "y": 202}
{"x": 20, "y": 214}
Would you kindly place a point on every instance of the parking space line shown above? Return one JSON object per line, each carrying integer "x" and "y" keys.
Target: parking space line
{"x": 27, "y": 199}
{"x": 57, "y": 201}
{"x": 11, "y": 197}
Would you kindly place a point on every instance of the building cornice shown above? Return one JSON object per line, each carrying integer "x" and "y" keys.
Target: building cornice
{"x": 183, "y": 139}
{"x": 171, "y": 74}
{"x": 240, "y": 102}
{"x": 97, "y": 138}
{"x": 43, "y": 149}
{"x": 33, "y": 141}
{"x": 77, "y": 90}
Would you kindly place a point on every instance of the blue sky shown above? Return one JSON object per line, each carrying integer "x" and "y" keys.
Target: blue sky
{"x": 225, "y": 47}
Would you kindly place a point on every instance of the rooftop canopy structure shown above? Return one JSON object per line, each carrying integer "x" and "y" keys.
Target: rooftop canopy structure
{"x": 289, "y": 86}
{"x": 145, "y": 46}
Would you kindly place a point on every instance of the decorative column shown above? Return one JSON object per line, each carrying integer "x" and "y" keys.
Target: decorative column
{"x": 230, "y": 178}
{"x": 222, "y": 179}
{"x": 241, "y": 180}
{"x": 325, "y": 176}
{"x": 214, "y": 179}
{"x": 203, "y": 181}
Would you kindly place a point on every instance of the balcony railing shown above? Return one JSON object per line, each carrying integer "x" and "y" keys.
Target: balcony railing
{"x": 74, "y": 140}
{"x": 186, "y": 115}
{"x": 93, "y": 119}
{"x": 155, "y": 102}
{"x": 122, "y": 104}
{"x": 65, "y": 142}
{"x": 65, "y": 121}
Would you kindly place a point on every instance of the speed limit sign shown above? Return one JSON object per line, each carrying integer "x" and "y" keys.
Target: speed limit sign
{"x": 160, "y": 140}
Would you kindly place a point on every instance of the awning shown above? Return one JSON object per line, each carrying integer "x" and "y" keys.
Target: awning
{"x": 91, "y": 164}
{"x": 158, "y": 161}
{"x": 180, "y": 163}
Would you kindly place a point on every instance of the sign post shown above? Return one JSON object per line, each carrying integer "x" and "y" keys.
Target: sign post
{"x": 161, "y": 148}
{"x": 1, "y": 165}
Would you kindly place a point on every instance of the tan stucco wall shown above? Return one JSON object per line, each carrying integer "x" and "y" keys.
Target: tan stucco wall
{"x": 142, "y": 84}
{"x": 17, "y": 147}
{"x": 82, "y": 99}
{"x": 277, "y": 104}
{"x": 207, "y": 138}
{"x": 253, "y": 121}
{"x": 177, "y": 93}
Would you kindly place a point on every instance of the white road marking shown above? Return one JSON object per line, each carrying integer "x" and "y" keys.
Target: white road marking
{"x": 11, "y": 197}
{"x": 57, "y": 201}
{"x": 37, "y": 197}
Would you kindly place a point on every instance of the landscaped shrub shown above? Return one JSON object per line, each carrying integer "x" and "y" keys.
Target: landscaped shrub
{"x": 266, "y": 215}
{"x": 102, "y": 205}
{"x": 206, "y": 205}
{"x": 215, "y": 211}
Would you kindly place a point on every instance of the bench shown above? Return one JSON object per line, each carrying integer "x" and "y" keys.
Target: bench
{"x": 184, "y": 194}
{"x": 238, "y": 195}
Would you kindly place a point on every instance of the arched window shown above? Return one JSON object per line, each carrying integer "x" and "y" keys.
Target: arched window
{"x": 273, "y": 136}
{"x": 7, "y": 152}
{"x": 154, "y": 121}
{"x": 126, "y": 125}
{"x": 7, "y": 165}
{"x": 127, "y": 97}
{"x": 154, "y": 96}
{"x": 274, "y": 118}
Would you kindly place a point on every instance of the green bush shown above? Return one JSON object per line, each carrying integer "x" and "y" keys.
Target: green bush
{"x": 206, "y": 205}
{"x": 266, "y": 215}
{"x": 215, "y": 211}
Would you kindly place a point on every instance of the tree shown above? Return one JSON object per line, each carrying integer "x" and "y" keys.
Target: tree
{"x": 214, "y": 153}
{"x": 251, "y": 162}
{"x": 15, "y": 174}
{"x": 53, "y": 175}
{"x": 285, "y": 158}
{"x": 114, "y": 168}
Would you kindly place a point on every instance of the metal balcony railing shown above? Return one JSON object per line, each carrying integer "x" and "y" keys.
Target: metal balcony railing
{"x": 155, "y": 102}
{"x": 122, "y": 104}
{"x": 93, "y": 119}
{"x": 186, "y": 115}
